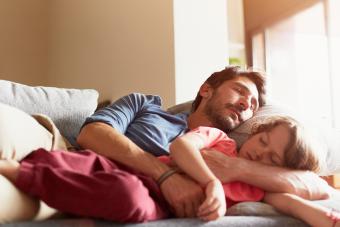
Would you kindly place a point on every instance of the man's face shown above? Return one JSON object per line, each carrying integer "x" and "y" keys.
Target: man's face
{"x": 232, "y": 103}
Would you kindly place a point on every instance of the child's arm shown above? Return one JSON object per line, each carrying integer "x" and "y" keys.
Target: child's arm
{"x": 309, "y": 212}
{"x": 185, "y": 151}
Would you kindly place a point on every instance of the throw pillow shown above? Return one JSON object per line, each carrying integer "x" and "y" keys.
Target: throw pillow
{"x": 20, "y": 134}
{"x": 67, "y": 108}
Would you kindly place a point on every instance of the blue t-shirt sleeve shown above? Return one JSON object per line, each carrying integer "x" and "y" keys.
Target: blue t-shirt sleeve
{"x": 122, "y": 112}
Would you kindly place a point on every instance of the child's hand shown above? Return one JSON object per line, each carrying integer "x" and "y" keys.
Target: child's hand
{"x": 214, "y": 205}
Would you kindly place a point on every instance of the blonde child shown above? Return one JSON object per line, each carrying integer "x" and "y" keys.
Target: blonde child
{"x": 278, "y": 141}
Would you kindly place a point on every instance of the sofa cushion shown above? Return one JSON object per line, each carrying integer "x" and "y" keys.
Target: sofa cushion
{"x": 252, "y": 209}
{"x": 68, "y": 108}
{"x": 20, "y": 134}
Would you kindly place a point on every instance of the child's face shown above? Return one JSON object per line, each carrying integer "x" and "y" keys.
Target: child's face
{"x": 267, "y": 147}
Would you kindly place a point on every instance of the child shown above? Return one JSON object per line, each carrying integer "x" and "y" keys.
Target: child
{"x": 87, "y": 184}
{"x": 278, "y": 141}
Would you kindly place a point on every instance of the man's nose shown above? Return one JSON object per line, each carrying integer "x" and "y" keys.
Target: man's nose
{"x": 244, "y": 103}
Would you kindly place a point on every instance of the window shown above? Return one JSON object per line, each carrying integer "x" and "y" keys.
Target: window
{"x": 299, "y": 53}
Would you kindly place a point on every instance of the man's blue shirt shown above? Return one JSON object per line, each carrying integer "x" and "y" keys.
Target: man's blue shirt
{"x": 141, "y": 118}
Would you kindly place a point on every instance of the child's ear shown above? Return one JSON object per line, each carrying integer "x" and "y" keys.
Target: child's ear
{"x": 206, "y": 91}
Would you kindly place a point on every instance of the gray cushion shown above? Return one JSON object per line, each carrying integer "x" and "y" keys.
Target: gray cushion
{"x": 234, "y": 221}
{"x": 252, "y": 214}
{"x": 68, "y": 108}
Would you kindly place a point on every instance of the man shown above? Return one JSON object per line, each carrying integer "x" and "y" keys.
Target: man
{"x": 134, "y": 130}
{"x": 138, "y": 119}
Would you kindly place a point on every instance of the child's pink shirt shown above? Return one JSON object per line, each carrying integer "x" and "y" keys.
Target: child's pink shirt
{"x": 216, "y": 139}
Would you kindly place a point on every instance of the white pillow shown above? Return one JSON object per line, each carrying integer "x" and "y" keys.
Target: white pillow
{"x": 68, "y": 108}
{"x": 20, "y": 134}
{"x": 330, "y": 139}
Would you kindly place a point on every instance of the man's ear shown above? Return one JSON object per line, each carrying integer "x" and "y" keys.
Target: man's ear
{"x": 206, "y": 91}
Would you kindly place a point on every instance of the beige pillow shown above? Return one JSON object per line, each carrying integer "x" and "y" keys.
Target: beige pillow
{"x": 20, "y": 134}
{"x": 17, "y": 206}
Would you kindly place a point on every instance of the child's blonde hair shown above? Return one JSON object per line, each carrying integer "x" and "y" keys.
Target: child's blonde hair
{"x": 300, "y": 152}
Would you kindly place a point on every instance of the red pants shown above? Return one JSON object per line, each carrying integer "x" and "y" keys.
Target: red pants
{"x": 89, "y": 185}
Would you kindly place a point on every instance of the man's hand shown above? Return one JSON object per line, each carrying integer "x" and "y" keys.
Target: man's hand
{"x": 183, "y": 194}
{"x": 214, "y": 205}
{"x": 223, "y": 166}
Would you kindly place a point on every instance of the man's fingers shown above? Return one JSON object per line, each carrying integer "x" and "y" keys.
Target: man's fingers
{"x": 213, "y": 206}
{"x": 213, "y": 214}
{"x": 182, "y": 194}
{"x": 189, "y": 210}
{"x": 179, "y": 210}
{"x": 210, "y": 217}
{"x": 197, "y": 203}
{"x": 192, "y": 206}
{"x": 206, "y": 204}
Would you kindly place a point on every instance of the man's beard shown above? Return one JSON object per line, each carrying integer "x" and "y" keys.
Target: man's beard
{"x": 217, "y": 116}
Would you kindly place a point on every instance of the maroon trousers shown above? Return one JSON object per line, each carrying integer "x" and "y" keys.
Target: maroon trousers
{"x": 89, "y": 185}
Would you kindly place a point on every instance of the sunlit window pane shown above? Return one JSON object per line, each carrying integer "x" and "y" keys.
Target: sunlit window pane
{"x": 298, "y": 63}
{"x": 334, "y": 46}
{"x": 258, "y": 51}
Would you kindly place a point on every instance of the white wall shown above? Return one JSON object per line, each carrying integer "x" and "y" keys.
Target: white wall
{"x": 23, "y": 41}
{"x": 116, "y": 47}
{"x": 201, "y": 43}
{"x": 236, "y": 30}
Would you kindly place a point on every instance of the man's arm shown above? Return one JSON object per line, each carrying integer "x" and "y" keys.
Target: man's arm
{"x": 270, "y": 178}
{"x": 181, "y": 193}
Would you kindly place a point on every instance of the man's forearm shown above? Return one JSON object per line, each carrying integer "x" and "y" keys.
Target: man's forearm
{"x": 104, "y": 140}
{"x": 275, "y": 179}
{"x": 270, "y": 178}
{"x": 182, "y": 194}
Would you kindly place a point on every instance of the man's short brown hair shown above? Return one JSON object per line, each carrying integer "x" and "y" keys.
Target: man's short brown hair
{"x": 229, "y": 73}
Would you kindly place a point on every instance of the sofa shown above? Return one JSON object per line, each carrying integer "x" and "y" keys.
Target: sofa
{"x": 44, "y": 114}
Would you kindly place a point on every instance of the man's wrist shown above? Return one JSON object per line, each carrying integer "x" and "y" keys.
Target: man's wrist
{"x": 240, "y": 169}
{"x": 166, "y": 175}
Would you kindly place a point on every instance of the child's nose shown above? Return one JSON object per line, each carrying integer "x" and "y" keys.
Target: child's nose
{"x": 258, "y": 156}
{"x": 261, "y": 155}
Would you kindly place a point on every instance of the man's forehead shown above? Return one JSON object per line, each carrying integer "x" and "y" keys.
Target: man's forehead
{"x": 246, "y": 83}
